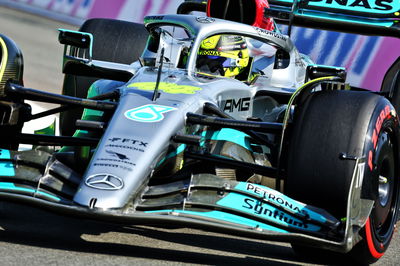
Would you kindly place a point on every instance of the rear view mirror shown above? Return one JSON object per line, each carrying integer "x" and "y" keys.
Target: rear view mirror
{"x": 318, "y": 71}
{"x": 76, "y": 38}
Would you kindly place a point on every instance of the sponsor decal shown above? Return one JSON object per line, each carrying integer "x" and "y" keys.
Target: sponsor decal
{"x": 232, "y": 39}
{"x": 104, "y": 182}
{"x": 232, "y": 47}
{"x": 117, "y": 158}
{"x": 269, "y": 212}
{"x": 154, "y": 18}
{"x": 231, "y": 105}
{"x": 127, "y": 143}
{"x": 357, "y": 5}
{"x": 205, "y": 20}
{"x": 118, "y": 155}
{"x": 166, "y": 87}
{"x": 264, "y": 211}
{"x": 274, "y": 196}
{"x": 384, "y": 114}
{"x": 210, "y": 42}
{"x": 280, "y": 199}
{"x": 115, "y": 161}
{"x": 111, "y": 165}
{"x": 128, "y": 147}
{"x": 270, "y": 34}
{"x": 208, "y": 52}
{"x": 149, "y": 113}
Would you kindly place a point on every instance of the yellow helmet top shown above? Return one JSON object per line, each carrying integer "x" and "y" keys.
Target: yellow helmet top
{"x": 224, "y": 55}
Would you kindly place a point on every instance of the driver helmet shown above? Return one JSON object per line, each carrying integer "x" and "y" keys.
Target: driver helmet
{"x": 223, "y": 55}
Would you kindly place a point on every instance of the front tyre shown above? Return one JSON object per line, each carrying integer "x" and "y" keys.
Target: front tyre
{"x": 331, "y": 129}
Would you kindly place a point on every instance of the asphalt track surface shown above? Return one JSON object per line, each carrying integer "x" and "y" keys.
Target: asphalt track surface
{"x": 30, "y": 236}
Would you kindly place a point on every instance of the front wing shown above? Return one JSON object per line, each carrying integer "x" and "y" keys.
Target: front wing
{"x": 203, "y": 201}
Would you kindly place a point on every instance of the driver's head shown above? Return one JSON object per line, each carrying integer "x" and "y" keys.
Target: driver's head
{"x": 223, "y": 55}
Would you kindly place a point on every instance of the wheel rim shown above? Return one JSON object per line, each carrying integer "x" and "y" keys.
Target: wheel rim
{"x": 384, "y": 190}
{"x": 384, "y": 212}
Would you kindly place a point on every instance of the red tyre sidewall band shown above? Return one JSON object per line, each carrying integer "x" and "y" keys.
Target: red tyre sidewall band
{"x": 370, "y": 241}
{"x": 376, "y": 247}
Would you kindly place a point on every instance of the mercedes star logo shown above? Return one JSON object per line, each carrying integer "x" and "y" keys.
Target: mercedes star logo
{"x": 104, "y": 182}
{"x": 205, "y": 20}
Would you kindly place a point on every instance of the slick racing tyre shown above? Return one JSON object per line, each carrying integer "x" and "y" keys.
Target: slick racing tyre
{"x": 331, "y": 130}
{"x": 114, "y": 41}
{"x": 391, "y": 85}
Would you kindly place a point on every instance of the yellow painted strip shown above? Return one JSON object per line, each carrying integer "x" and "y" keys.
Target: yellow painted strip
{"x": 171, "y": 88}
{"x": 4, "y": 58}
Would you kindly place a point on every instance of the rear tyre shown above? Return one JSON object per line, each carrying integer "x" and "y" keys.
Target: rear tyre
{"x": 114, "y": 41}
{"x": 333, "y": 125}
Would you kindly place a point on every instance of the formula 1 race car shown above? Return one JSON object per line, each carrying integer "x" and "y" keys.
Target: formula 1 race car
{"x": 212, "y": 121}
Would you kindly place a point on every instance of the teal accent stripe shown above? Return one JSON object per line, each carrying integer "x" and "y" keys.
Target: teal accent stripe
{"x": 6, "y": 168}
{"x": 227, "y": 217}
{"x": 383, "y": 23}
{"x": 227, "y": 134}
{"x": 11, "y": 186}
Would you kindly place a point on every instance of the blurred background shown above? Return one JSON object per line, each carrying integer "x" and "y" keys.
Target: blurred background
{"x": 366, "y": 58}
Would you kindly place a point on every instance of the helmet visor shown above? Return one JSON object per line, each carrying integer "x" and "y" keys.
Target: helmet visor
{"x": 211, "y": 64}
